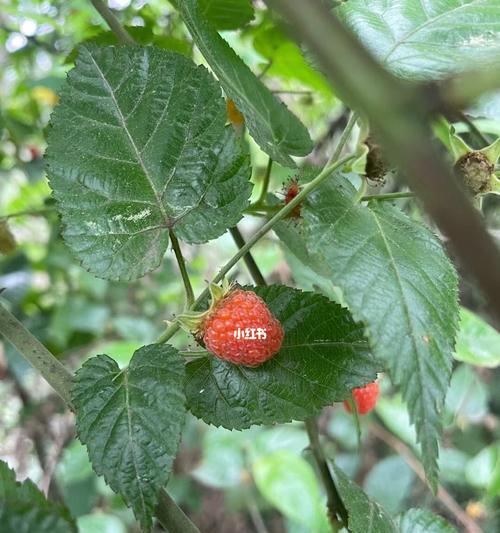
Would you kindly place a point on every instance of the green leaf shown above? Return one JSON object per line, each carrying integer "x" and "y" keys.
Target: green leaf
{"x": 477, "y": 342}
{"x": 23, "y": 508}
{"x": 394, "y": 415}
{"x": 138, "y": 145}
{"x": 286, "y": 59}
{"x": 131, "y": 421}
{"x": 483, "y": 468}
{"x": 423, "y": 521}
{"x": 323, "y": 357}
{"x": 227, "y": 14}
{"x": 223, "y": 462}
{"x": 391, "y": 495}
{"x": 467, "y": 397}
{"x": 275, "y": 129}
{"x": 288, "y": 482}
{"x": 409, "y": 305}
{"x": 364, "y": 515}
{"x": 427, "y": 40}
{"x": 100, "y": 523}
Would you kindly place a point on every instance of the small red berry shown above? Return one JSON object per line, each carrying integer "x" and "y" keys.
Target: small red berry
{"x": 292, "y": 189}
{"x": 241, "y": 329}
{"x": 365, "y": 398}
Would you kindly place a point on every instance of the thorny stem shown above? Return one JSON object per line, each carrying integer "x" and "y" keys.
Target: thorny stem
{"x": 113, "y": 23}
{"x": 282, "y": 213}
{"x": 265, "y": 183}
{"x": 182, "y": 268}
{"x": 248, "y": 258}
{"x": 336, "y": 510}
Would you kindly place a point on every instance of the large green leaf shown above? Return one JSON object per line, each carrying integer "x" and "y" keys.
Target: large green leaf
{"x": 478, "y": 343}
{"x": 138, "y": 145}
{"x": 423, "y": 521}
{"x": 395, "y": 278}
{"x": 364, "y": 515}
{"x": 289, "y": 483}
{"x": 227, "y": 14}
{"x": 427, "y": 39}
{"x": 275, "y": 129}
{"x": 323, "y": 356}
{"x": 23, "y": 508}
{"x": 131, "y": 421}
{"x": 286, "y": 59}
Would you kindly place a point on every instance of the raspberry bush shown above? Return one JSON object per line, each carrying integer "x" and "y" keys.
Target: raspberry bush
{"x": 165, "y": 135}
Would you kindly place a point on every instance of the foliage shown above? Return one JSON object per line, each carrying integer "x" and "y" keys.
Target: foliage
{"x": 140, "y": 157}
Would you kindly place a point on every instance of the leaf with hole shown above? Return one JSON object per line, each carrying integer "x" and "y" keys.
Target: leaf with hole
{"x": 428, "y": 39}
{"x": 323, "y": 356}
{"x": 275, "y": 129}
{"x": 138, "y": 145}
{"x": 131, "y": 422}
{"x": 397, "y": 280}
{"x": 23, "y": 507}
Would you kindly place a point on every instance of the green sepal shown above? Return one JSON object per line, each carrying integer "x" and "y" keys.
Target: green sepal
{"x": 492, "y": 152}
{"x": 458, "y": 146}
{"x": 191, "y": 321}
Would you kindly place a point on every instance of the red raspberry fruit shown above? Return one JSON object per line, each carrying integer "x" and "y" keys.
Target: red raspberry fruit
{"x": 241, "y": 329}
{"x": 365, "y": 398}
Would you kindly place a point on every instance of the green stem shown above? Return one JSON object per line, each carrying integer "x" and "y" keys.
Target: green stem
{"x": 283, "y": 212}
{"x": 265, "y": 183}
{"x": 183, "y": 270}
{"x": 55, "y": 373}
{"x": 121, "y": 33}
{"x": 336, "y": 510}
{"x": 248, "y": 258}
{"x": 344, "y": 137}
{"x": 361, "y": 191}
{"x": 388, "y": 196}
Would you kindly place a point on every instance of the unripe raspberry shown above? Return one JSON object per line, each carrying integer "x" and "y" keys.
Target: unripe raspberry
{"x": 365, "y": 398}
{"x": 475, "y": 170}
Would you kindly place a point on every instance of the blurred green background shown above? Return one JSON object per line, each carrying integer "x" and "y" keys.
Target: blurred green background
{"x": 261, "y": 479}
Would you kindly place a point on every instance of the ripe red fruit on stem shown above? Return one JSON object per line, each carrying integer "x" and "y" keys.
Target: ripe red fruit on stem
{"x": 241, "y": 329}
{"x": 365, "y": 398}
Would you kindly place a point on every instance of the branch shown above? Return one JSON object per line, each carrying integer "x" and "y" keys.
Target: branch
{"x": 121, "y": 33}
{"x": 265, "y": 182}
{"x": 442, "y": 494}
{"x": 336, "y": 510}
{"x": 183, "y": 270}
{"x": 399, "y": 112}
{"x": 54, "y": 372}
{"x": 60, "y": 379}
{"x": 248, "y": 258}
